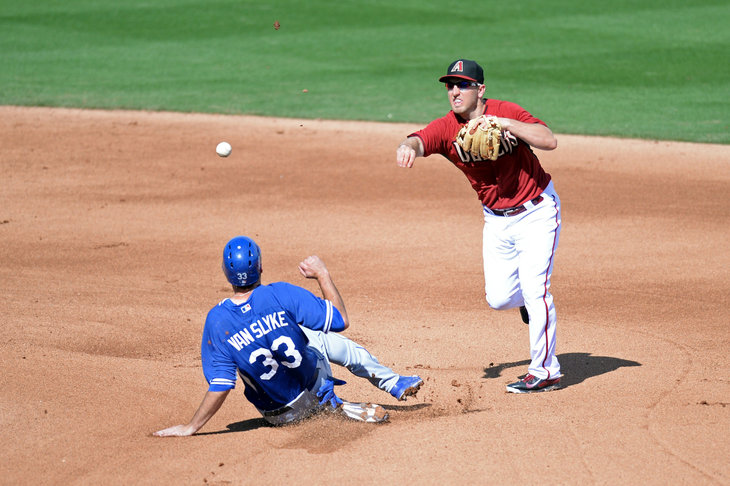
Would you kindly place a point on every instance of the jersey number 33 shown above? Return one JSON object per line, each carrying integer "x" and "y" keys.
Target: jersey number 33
{"x": 272, "y": 364}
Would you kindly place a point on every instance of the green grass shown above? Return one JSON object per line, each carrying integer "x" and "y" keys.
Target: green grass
{"x": 645, "y": 68}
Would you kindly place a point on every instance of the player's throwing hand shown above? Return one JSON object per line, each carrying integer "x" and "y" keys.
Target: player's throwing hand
{"x": 407, "y": 152}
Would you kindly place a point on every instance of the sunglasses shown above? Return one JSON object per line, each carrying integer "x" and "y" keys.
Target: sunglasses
{"x": 461, "y": 85}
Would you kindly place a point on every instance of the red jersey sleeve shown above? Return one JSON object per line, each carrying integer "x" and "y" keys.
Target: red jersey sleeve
{"x": 438, "y": 135}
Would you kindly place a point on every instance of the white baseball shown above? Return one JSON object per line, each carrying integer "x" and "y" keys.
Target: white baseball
{"x": 223, "y": 149}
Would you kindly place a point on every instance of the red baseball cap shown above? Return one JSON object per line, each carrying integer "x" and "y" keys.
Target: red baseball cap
{"x": 464, "y": 69}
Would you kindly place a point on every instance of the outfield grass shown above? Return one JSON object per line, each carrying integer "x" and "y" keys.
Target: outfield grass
{"x": 649, "y": 69}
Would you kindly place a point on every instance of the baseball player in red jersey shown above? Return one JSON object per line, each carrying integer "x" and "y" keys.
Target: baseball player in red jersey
{"x": 520, "y": 206}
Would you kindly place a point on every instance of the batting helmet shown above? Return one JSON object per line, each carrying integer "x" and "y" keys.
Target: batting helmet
{"x": 242, "y": 261}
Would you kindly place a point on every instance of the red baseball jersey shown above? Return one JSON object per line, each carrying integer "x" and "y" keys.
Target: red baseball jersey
{"x": 515, "y": 177}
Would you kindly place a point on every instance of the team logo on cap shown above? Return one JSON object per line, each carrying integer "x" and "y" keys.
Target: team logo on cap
{"x": 459, "y": 66}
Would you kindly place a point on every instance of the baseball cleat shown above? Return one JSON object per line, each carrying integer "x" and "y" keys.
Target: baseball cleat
{"x": 532, "y": 384}
{"x": 525, "y": 316}
{"x": 364, "y": 412}
{"x": 406, "y": 386}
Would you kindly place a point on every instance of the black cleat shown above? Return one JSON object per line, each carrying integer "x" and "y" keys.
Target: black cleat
{"x": 532, "y": 384}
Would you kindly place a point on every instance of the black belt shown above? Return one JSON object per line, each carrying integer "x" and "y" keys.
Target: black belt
{"x": 514, "y": 211}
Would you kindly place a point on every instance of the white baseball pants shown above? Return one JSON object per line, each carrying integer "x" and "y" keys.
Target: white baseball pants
{"x": 518, "y": 253}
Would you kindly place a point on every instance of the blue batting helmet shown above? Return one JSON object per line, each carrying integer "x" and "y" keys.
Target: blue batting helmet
{"x": 242, "y": 261}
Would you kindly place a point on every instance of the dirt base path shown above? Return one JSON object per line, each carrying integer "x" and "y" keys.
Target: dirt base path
{"x": 111, "y": 225}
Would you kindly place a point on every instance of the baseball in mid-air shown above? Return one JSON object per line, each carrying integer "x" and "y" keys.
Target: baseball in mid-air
{"x": 223, "y": 149}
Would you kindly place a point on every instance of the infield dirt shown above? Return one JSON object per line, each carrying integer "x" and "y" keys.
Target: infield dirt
{"x": 111, "y": 227}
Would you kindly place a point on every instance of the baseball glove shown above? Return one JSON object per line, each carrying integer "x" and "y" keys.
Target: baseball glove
{"x": 480, "y": 137}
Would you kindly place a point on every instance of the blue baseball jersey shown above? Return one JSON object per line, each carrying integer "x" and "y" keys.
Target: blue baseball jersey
{"x": 260, "y": 340}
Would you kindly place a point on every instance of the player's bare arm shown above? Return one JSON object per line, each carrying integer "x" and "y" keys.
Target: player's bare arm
{"x": 314, "y": 267}
{"x": 408, "y": 150}
{"x": 208, "y": 407}
{"x": 535, "y": 134}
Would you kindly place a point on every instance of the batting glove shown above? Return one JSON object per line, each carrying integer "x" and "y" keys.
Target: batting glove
{"x": 326, "y": 392}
